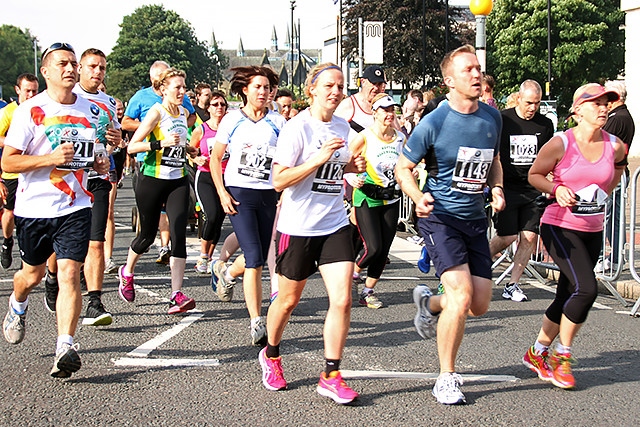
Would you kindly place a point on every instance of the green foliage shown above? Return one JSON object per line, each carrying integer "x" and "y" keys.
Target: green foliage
{"x": 16, "y": 56}
{"x": 153, "y": 33}
{"x": 586, "y": 41}
{"x": 403, "y": 26}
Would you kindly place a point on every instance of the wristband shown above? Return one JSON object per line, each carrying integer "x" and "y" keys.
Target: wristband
{"x": 499, "y": 186}
{"x": 555, "y": 187}
{"x": 155, "y": 145}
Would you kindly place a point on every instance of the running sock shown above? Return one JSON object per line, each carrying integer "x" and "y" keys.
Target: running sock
{"x": 95, "y": 297}
{"x": 17, "y": 306}
{"x": 8, "y": 240}
{"x": 174, "y": 293}
{"x": 63, "y": 339}
{"x": 367, "y": 291}
{"x": 540, "y": 348}
{"x": 204, "y": 256}
{"x": 331, "y": 365}
{"x": 562, "y": 349}
{"x": 52, "y": 273}
{"x": 273, "y": 351}
{"x": 228, "y": 277}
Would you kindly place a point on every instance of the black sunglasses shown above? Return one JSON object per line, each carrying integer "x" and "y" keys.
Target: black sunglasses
{"x": 57, "y": 46}
{"x": 219, "y": 104}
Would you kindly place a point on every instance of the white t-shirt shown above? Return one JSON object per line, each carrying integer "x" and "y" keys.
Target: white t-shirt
{"x": 38, "y": 127}
{"x": 312, "y": 207}
{"x": 108, "y": 118}
{"x": 251, "y": 147}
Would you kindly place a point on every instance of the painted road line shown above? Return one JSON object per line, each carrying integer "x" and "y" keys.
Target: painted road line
{"x": 348, "y": 374}
{"x": 145, "y": 349}
{"x": 164, "y": 363}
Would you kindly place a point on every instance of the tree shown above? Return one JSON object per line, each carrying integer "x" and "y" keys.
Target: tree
{"x": 153, "y": 33}
{"x": 586, "y": 40}
{"x": 403, "y": 26}
{"x": 16, "y": 56}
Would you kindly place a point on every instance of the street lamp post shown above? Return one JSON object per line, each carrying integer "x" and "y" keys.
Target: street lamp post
{"x": 293, "y": 6}
{"x": 481, "y": 8}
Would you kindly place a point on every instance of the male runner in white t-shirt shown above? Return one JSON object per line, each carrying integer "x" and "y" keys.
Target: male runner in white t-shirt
{"x": 50, "y": 144}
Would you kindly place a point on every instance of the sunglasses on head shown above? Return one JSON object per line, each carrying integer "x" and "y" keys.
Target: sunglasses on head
{"x": 57, "y": 46}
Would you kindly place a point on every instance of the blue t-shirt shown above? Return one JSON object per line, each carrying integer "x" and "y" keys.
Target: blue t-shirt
{"x": 142, "y": 101}
{"x": 458, "y": 150}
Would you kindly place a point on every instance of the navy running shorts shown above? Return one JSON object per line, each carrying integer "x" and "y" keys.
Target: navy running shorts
{"x": 451, "y": 242}
{"x": 67, "y": 236}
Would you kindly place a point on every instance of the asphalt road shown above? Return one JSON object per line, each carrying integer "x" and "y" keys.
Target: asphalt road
{"x": 152, "y": 369}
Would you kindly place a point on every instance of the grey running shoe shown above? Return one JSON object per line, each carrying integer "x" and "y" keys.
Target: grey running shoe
{"x": 202, "y": 265}
{"x": 50, "y": 291}
{"x": 66, "y": 362}
{"x": 224, "y": 287}
{"x": 164, "y": 255}
{"x": 5, "y": 253}
{"x": 110, "y": 266}
{"x": 447, "y": 389}
{"x": 370, "y": 300}
{"x": 97, "y": 315}
{"x": 425, "y": 322}
{"x": 259, "y": 332}
{"x": 14, "y": 326}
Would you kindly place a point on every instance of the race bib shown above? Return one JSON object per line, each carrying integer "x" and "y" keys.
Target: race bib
{"x": 524, "y": 149}
{"x": 83, "y": 140}
{"x": 173, "y": 157}
{"x": 255, "y": 161}
{"x": 591, "y": 200}
{"x": 471, "y": 170}
{"x": 328, "y": 179}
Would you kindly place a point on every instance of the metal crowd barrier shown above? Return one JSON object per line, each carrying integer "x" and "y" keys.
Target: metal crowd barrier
{"x": 406, "y": 214}
{"x": 632, "y": 235}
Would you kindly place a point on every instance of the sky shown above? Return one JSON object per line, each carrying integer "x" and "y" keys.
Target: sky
{"x": 253, "y": 20}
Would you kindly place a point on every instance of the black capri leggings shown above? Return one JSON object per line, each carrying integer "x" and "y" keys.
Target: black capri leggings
{"x": 576, "y": 253}
{"x": 210, "y": 204}
{"x": 377, "y": 228}
{"x": 151, "y": 194}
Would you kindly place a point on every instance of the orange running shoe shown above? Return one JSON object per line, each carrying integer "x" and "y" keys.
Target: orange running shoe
{"x": 538, "y": 364}
{"x": 560, "y": 364}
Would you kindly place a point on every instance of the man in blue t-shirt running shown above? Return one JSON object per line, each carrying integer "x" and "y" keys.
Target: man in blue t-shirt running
{"x": 459, "y": 142}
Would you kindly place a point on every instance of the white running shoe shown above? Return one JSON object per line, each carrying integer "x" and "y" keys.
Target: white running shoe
{"x": 447, "y": 389}
{"x": 513, "y": 292}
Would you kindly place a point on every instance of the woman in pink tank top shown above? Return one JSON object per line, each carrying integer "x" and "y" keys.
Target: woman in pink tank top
{"x": 203, "y": 138}
{"x": 586, "y": 164}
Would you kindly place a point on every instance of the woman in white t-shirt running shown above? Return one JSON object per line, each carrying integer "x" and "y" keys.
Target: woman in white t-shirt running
{"x": 313, "y": 231}
{"x": 249, "y": 135}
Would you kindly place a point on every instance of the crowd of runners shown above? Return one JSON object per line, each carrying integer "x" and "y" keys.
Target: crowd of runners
{"x": 308, "y": 191}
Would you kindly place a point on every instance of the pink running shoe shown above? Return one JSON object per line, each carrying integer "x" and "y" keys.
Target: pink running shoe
{"x": 335, "y": 388}
{"x": 125, "y": 286}
{"x": 538, "y": 364}
{"x": 272, "y": 376}
{"x": 181, "y": 303}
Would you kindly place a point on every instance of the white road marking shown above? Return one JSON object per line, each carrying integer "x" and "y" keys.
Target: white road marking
{"x": 152, "y": 363}
{"x": 421, "y": 376}
{"x": 145, "y": 349}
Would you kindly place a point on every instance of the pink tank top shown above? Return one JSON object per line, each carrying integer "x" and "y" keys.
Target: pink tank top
{"x": 588, "y": 180}
{"x": 206, "y": 145}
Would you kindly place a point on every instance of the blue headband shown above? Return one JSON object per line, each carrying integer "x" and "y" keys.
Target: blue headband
{"x": 330, "y": 67}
